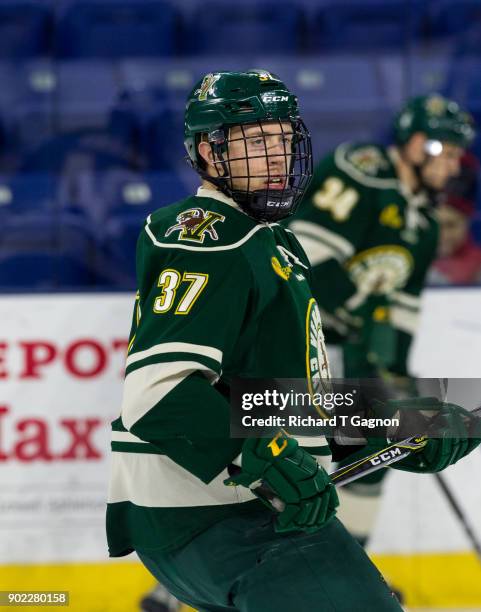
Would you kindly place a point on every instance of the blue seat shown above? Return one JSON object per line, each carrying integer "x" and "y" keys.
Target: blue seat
{"x": 329, "y": 129}
{"x": 168, "y": 80}
{"x": 85, "y": 93}
{"x": 27, "y": 193}
{"x": 117, "y": 29}
{"x": 25, "y": 29}
{"x": 139, "y": 195}
{"x": 333, "y": 83}
{"x": 144, "y": 120}
{"x": 244, "y": 27}
{"x": 427, "y": 74}
{"x": 46, "y": 251}
{"x": 135, "y": 200}
{"x": 27, "y": 104}
{"x": 78, "y": 151}
{"x": 366, "y": 25}
{"x": 448, "y": 18}
{"x": 163, "y": 141}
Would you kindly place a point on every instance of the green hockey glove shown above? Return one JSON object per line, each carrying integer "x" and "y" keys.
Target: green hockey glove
{"x": 451, "y": 430}
{"x": 293, "y": 476}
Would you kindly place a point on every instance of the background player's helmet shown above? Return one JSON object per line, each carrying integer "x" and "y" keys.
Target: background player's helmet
{"x": 222, "y": 100}
{"x": 442, "y": 120}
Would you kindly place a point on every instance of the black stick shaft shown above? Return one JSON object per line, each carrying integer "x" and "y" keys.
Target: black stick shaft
{"x": 456, "y": 508}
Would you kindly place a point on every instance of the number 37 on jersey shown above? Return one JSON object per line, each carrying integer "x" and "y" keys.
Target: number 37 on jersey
{"x": 179, "y": 291}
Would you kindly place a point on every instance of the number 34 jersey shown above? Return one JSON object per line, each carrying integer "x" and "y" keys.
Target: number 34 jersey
{"x": 367, "y": 238}
{"x": 219, "y": 296}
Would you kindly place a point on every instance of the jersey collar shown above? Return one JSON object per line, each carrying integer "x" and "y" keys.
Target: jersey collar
{"x": 204, "y": 192}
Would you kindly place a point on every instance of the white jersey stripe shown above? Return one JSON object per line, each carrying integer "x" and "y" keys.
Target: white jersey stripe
{"x": 176, "y": 347}
{"x": 316, "y": 251}
{"x": 323, "y": 235}
{"x": 308, "y": 441}
{"x": 145, "y": 387}
{"x": 226, "y": 247}
{"x": 407, "y": 300}
{"x": 155, "y": 481}
{"x": 126, "y": 436}
{"x": 404, "y": 319}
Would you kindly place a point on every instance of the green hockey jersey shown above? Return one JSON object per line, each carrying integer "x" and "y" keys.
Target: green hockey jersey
{"x": 219, "y": 296}
{"x": 370, "y": 243}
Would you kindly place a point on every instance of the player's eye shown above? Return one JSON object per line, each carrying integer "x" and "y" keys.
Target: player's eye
{"x": 257, "y": 142}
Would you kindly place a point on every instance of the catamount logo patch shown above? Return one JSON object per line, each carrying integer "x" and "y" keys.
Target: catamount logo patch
{"x": 207, "y": 86}
{"x": 194, "y": 224}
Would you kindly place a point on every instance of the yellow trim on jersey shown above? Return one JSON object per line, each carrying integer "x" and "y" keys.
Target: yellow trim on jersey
{"x": 312, "y": 301}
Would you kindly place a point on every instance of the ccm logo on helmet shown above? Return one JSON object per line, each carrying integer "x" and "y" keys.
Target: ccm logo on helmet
{"x": 271, "y": 98}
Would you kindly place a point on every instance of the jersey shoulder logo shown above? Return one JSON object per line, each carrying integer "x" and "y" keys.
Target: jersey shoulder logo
{"x": 369, "y": 160}
{"x": 194, "y": 224}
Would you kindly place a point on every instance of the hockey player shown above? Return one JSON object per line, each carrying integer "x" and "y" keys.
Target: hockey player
{"x": 370, "y": 231}
{"x": 223, "y": 292}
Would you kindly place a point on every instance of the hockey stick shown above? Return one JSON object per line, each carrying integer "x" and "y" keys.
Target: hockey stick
{"x": 376, "y": 461}
{"x": 362, "y": 467}
{"x": 348, "y": 473}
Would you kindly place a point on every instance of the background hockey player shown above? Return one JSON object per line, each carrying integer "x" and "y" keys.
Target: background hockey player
{"x": 369, "y": 228}
{"x": 223, "y": 292}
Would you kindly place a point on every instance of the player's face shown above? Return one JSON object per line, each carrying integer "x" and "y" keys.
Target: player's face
{"x": 260, "y": 156}
{"x": 454, "y": 228}
{"x": 440, "y": 168}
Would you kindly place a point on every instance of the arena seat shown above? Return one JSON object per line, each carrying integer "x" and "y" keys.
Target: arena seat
{"x": 25, "y": 29}
{"x": 139, "y": 195}
{"x": 135, "y": 200}
{"x": 329, "y": 129}
{"x": 341, "y": 83}
{"x": 85, "y": 93}
{"x": 46, "y": 251}
{"x": 77, "y": 151}
{"x": 447, "y": 18}
{"x": 163, "y": 138}
{"x": 26, "y": 193}
{"x": 426, "y": 74}
{"x": 245, "y": 27}
{"x": 366, "y": 25}
{"x": 114, "y": 30}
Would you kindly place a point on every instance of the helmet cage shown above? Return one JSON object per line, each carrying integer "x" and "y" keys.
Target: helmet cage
{"x": 286, "y": 154}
